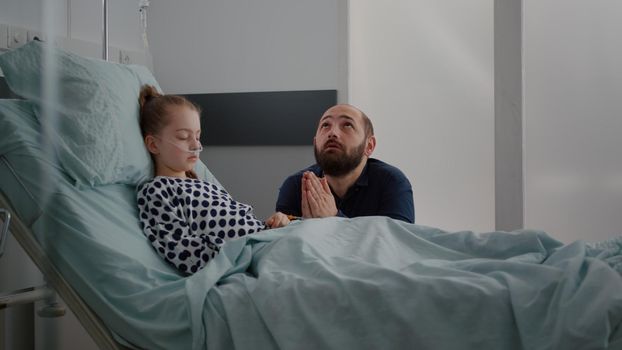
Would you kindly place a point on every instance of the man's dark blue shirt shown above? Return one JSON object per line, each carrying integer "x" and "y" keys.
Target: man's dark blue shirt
{"x": 381, "y": 189}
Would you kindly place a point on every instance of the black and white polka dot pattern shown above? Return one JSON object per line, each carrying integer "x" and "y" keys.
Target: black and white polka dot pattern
{"x": 188, "y": 220}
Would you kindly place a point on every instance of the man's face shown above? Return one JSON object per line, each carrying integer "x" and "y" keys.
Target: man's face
{"x": 340, "y": 140}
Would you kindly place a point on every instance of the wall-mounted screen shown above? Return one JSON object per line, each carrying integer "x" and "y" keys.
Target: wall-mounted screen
{"x": 262, "y": 118}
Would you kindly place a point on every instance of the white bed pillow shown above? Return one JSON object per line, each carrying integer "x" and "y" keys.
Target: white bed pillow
{"x": 97, "y": 136}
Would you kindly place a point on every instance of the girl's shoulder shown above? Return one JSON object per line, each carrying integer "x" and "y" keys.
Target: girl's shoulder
{"x": 160, "y": 183}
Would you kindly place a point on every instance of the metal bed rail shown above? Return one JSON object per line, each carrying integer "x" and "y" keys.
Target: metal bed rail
{"x": 92, "y": 323}
{"x": 5, "y": 229}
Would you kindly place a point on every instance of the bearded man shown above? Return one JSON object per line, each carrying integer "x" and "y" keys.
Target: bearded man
{"x": 345, "y": 181}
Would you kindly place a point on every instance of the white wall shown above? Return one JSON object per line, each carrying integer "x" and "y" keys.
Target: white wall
{"x": 77, "y": 26}
{"x": 123, "y": 22}
{"x": 28, "y": 13}
{"x": 423, "y": 71}
{"x": 81, "y": 20}
{"x": 247, "y": 46}
{"x": 573, "y": 117}
{"x": 244, "y": 45}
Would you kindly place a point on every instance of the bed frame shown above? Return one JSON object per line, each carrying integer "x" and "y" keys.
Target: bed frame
{"x": 55, "y": 284}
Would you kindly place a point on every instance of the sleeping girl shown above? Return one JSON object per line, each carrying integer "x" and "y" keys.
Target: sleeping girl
{"x": 187, "y": 220}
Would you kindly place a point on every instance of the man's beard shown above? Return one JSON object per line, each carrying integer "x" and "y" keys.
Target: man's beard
{"x": 339, "y": 164}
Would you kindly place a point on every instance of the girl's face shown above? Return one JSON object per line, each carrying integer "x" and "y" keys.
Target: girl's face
{"x": 170, "y": 147}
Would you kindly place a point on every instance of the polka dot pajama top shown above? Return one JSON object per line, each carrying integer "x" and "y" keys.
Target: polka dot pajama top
{"x": 188, "y": 220}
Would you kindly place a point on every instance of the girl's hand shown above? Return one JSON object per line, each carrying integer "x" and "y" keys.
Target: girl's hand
{"x": 277, "y": 220}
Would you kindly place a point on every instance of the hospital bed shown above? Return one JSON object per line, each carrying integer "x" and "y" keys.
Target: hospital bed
{"x": 335, "y": 283}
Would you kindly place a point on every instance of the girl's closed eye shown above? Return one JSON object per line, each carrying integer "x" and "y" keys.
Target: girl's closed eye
{"x": 182, "y": 136}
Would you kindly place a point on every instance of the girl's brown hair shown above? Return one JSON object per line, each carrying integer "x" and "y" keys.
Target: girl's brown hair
{"x": 154, "y": 109}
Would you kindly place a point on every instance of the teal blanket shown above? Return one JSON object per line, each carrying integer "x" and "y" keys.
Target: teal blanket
{"x": 376, "y": 283}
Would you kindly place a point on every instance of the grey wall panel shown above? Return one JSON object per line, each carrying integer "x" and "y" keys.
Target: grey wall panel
{"x": 262, "y": 118}
{"x": 509, "y": 201}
